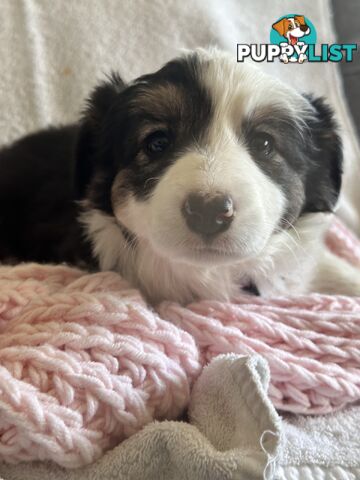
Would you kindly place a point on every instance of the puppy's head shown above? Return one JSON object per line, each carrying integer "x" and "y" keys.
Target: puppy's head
{"x": 207, "y": 159}
{"x": 292, "y": 28}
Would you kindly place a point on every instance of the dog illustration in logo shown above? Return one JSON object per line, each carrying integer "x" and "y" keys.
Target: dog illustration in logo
{"x": 292, "y": 28}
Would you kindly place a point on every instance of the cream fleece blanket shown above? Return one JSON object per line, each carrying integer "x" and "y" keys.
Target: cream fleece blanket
{"x": 52, "y": 54}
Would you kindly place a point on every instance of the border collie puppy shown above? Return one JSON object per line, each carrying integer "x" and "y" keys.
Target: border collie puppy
{"x": 192, "y": 182}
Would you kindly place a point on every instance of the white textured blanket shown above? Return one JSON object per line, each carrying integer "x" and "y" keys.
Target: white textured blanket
{"x": 52, "y": 54}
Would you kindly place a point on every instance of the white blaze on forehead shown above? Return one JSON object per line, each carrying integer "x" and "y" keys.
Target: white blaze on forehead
{"x": 241, "y": 89}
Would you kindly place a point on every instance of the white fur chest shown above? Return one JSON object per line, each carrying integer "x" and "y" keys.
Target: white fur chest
{"x": 285, "y": 265}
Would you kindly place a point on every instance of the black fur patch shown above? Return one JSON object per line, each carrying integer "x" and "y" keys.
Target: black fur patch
{"x": 38, "y": 215}
{"x": 43, "y": 175}
{"x": 306, "y": 163}
{"x": 111, "y": 139}
{"x": 324, "y": 149}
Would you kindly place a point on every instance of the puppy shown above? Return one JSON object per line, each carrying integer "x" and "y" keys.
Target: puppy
{"x": 197, "y": 181}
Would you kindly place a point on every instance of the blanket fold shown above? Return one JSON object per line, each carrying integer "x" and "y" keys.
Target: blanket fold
{"x": 241, "y": 444}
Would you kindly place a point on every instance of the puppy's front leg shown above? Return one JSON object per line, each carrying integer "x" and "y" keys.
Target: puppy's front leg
{"x": 334, "y": 275}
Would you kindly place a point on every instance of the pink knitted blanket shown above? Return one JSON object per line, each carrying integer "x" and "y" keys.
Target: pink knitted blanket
{"x": 85, "y": 363}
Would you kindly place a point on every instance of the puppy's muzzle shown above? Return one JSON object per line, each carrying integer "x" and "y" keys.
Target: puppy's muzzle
{"x": 208, "y": 215}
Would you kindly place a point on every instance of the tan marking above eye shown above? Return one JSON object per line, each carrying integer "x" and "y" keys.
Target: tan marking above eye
{"x": 147, "y": 130}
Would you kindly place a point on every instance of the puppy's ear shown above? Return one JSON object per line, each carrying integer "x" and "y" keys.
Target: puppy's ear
{"x": 88, "y": 142}
{"x": 300, "y": 19}
{"x": 323, "y": 180}
{"x": 280, "y": 26}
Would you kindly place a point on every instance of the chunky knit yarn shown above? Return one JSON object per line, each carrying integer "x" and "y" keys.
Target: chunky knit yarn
{"x": 85, "y": 363}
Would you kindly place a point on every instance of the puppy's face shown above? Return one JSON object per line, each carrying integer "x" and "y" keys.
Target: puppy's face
{"x": 206, "y": 159}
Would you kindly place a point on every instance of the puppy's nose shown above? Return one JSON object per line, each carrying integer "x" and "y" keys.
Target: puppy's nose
{"x": 304, "y": 28}
{"x": 206, "y": 215}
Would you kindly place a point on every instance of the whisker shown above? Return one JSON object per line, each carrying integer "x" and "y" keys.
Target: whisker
{"x": 291, "y": 226}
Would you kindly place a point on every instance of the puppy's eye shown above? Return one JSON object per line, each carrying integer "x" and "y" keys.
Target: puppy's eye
{"x": 290, "y": 27}
{"x": 157, "y": 142}
{"x": 262, "y": 144}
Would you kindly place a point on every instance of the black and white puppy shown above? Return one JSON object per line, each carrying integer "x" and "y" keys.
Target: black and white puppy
{"x": 192, "y": 182}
